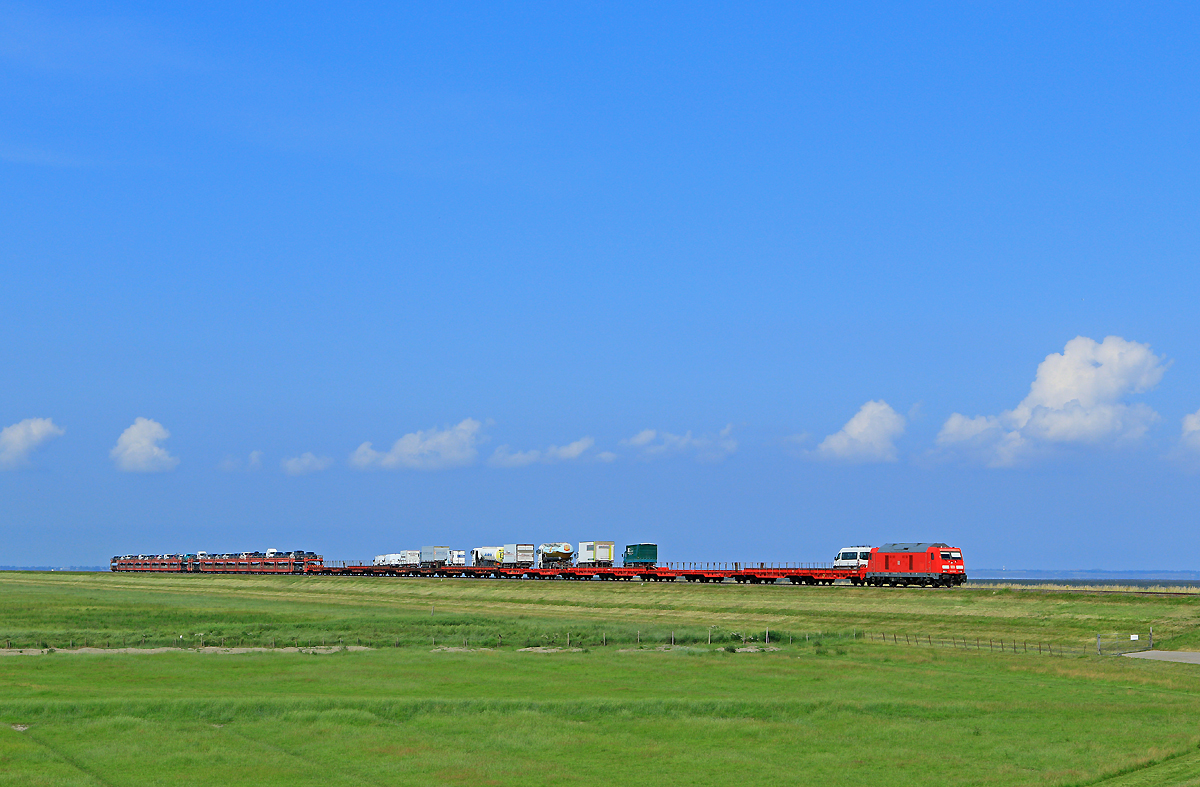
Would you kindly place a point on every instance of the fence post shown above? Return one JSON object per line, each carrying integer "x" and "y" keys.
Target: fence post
{"x": 1152, "y": 638}
{"x": 1098, "y": 645}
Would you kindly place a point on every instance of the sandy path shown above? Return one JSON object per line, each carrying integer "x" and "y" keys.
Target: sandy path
{"x": 1180, "y": 656}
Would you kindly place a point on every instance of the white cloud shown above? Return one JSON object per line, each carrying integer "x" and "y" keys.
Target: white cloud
{"x": 1076, "y": 399}
{"x": 231, "y": 464}
{"x": 867, "y": 437}
{"x": 570, "y": 450}
{"x": 606, "y": 456}
{"x": 137, "y": 449}
{"x": 425, "y": 450}
{"x": 503, "y": 456}
{"x": 708, "y": 448}
{"x": 1191, "y": 431}
{"x": 18, "y": 441}
{"x": 304, "y": 464}
{"x": 643, "y": 437}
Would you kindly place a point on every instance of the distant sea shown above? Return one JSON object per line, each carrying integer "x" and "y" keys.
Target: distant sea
{"x": 1083, "y": 577}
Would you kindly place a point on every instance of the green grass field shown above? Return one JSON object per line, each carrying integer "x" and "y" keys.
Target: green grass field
{"x": 826, "y": 708}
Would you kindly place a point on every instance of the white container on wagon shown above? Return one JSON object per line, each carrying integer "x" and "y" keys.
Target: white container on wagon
{"x": 391, "y": 559}
{"x": 518, "y": 555}
{"x": 435, "y": 556}
{"x": 456, "y": 557}
{"x": 596, "y": 553}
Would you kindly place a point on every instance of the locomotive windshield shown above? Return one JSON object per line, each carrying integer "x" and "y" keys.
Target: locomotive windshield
{"x": 955, "y": 555}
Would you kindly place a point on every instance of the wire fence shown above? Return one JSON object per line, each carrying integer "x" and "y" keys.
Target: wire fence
{"x": 1113, "y": 644}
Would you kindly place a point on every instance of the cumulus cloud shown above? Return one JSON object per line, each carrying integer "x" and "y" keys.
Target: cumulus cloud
{"x": 570, "y": 450}
{"x": 232, "y": 464}
{"x": 138, "y": 450}
{"x": 606, "y": 456}
{"x": 18, "y": 441}
{"x": 1076, "y": 398}
{"x": 306, "y": 463}
{"x": 651, "y": 443}
{"x": 867, "y": 437}
{"x": 1191, "y": 431}
{"x": 503, "y": 456}
{"x": 425, "y": 450}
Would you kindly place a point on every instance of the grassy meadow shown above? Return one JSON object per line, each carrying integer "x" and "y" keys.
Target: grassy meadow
{"x": 826, "y": 707}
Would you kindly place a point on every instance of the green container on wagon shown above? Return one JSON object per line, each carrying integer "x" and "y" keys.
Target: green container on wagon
{"x": 641, "y": 555}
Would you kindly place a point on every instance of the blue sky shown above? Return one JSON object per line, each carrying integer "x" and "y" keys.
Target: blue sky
{"x": 753, "y": 283}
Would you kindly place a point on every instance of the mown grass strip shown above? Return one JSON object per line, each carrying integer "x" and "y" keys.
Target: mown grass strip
{"x": 223, "y": 711}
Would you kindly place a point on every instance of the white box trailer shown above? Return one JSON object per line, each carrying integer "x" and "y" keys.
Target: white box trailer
{"x": 596, "y": 553}
{"x": 435, "y": 556}
{"x": 456, "y": 557}
{"x": 518, "y": 555}
{"x": 391, "y": 559}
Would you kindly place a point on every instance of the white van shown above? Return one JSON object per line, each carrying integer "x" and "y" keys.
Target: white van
{"x": 852, "y": 557}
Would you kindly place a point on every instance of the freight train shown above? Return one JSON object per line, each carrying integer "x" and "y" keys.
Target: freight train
{"x": 925, "y": 564}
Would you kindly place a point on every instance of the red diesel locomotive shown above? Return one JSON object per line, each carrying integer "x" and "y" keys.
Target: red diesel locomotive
{"x": 915, "y": 564}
